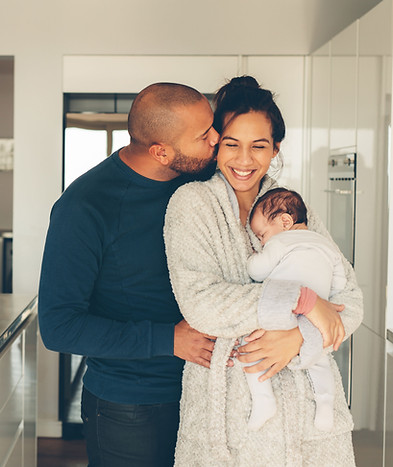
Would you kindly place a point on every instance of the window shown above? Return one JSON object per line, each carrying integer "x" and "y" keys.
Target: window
{"x": 95, "y": 126}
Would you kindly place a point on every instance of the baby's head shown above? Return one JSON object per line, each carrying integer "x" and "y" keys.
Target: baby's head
{"x": 276, "y": 211}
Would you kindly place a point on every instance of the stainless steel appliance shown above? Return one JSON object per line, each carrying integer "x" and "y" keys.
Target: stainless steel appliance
{"x": 341, "y": 225}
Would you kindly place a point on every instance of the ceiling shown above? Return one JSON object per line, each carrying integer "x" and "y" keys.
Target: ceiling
{"x": 326, "y": 18}
{"x": 180, "y": 27}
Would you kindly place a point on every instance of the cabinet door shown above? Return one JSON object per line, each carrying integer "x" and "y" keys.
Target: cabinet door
{"x": 30, "y": 395}
{"x": 11, "y": 370}
{"x": 389, "y": 409}
{"x": 11, "y": 422}
{"x": 319, "y": 133}
{"x": 272, "y": 73}
{"x": 11, "y": 396}
{"x": 368, "y": 397}
{"x": 343, "y": 89}
{"x": 94, "y": 73}
{"x": 16, "y": 456}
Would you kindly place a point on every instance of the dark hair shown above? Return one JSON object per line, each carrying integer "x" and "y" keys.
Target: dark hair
{"x": 242, "y": 95}
{"x": 279, "y": 201}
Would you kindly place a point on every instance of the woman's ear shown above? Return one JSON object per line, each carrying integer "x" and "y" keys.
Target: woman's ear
{"x": 287, "y": 221}
{"x": 160, "y": 153}
{"x": 276, "y": 149}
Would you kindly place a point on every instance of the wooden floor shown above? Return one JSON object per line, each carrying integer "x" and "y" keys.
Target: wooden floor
{"x": 56, "y": 452}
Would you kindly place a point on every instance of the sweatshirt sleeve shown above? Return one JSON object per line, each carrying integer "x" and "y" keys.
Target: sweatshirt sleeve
{"x": 210, "y": 301}
{"x": 71, "y": 265}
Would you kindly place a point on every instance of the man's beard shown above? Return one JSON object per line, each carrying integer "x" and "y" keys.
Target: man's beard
{"x": 183, "y": 164}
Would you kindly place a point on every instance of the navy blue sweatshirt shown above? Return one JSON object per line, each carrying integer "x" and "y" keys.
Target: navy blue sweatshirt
{"x": 104, "y": 289}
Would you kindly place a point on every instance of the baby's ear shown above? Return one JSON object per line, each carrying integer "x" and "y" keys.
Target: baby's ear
{"x": 287, "y": 221}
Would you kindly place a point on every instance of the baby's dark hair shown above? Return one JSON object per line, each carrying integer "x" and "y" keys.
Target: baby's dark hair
{"x": 242, "y": 95}
{"x": 279, "y": 201}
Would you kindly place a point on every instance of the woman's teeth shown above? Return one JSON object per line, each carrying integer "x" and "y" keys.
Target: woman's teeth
{"x": 242, "y": 173}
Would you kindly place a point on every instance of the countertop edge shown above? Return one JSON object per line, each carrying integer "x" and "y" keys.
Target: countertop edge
{"x": 21, "y": 318}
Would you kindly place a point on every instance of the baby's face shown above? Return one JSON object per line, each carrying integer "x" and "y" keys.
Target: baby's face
{"x": 265, "y": 229}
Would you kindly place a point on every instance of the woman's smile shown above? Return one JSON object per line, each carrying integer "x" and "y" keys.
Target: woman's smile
{"x": 242, "y": 174}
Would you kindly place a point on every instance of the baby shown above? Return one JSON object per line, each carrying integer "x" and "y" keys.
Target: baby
{"x": 292, "y": 252}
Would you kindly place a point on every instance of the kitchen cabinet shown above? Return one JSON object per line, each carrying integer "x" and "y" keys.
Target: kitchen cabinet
{"x": 94, "y": 74}
{"x": 343, "y": 91}
{"x": 368, "y": 378}
{"x": 351, "y": 92}
{"x": 372, "y": 182}
{"x": 389, "y": 406}
{"x": 18, "y": 380}
{"x": 319, "y": 132}
{"x": 272, "y": 73}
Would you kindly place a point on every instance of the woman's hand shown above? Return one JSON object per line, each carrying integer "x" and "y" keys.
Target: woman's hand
{"x": 275, "y": 349}
{"x": 326, "y": 318}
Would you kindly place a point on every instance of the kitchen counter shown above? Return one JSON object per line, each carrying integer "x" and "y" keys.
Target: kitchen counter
{"x": 18, "y": 380}
{"x": 15, "y": 311}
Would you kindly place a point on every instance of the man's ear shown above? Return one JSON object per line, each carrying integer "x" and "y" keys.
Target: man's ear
{"x": 160, "y": 152}
{"x": 287, "y": 221}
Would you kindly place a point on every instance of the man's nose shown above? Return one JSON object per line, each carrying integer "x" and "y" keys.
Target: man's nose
{"x": 214, "y": 137}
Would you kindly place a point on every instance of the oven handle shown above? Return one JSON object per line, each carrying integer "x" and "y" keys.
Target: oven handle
{"x": 340, "y": 192}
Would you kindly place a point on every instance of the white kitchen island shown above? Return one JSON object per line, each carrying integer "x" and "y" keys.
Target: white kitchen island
{"x": 18, "y": 380}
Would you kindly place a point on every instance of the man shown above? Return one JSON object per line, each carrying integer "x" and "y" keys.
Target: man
{"x": 105, "y": 291}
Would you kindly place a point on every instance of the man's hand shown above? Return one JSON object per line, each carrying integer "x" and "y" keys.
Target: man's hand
{"x": 275, "y": 349}
{"x": 192, "y": 345}
{"x": 326, "y": 318}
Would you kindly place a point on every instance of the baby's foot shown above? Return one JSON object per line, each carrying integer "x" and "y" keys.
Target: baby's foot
{"x": 263, "y": 408}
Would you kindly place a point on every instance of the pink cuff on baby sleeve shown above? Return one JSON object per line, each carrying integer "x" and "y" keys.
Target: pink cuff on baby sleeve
{"x": 306, "y": 301}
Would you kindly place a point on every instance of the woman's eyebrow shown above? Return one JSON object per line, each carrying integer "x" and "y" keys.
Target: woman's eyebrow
{"x": 261, "y": 139}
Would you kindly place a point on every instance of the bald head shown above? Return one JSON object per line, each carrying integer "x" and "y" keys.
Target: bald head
{"x": 153, "y": 117}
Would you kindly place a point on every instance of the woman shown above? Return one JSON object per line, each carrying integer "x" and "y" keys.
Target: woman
{"x": 208, "y": 242}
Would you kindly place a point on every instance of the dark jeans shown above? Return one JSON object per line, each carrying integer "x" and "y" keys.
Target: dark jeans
{"x": 123, "y": 435}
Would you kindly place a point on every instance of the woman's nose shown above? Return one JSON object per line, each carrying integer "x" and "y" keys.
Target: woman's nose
{"x": 244, "y": 156}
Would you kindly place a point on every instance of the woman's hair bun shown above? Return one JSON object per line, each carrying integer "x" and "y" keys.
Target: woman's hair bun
{"x": 243, "y": 81}
{"x": 237, "y": 88}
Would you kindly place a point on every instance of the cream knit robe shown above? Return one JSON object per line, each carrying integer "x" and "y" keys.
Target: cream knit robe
{"x": 207, "y": 249}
